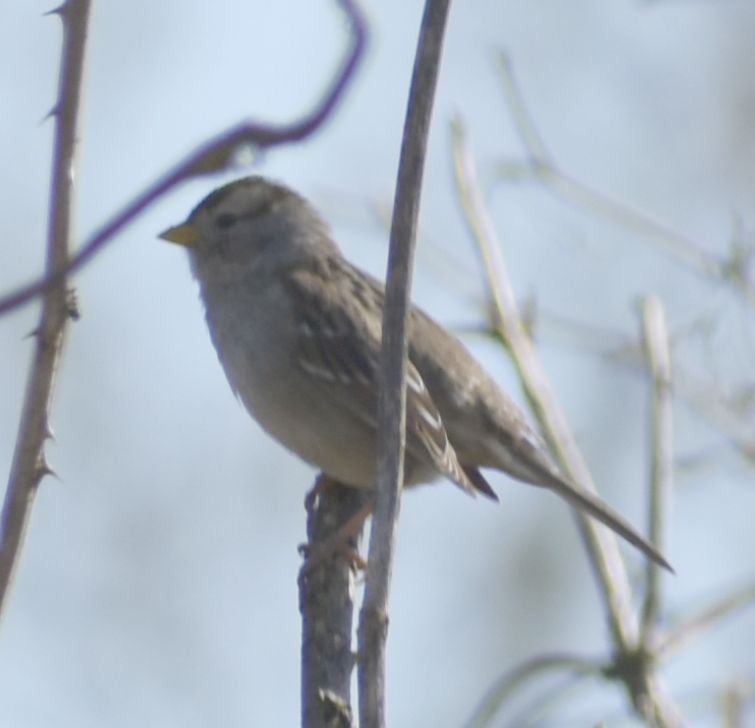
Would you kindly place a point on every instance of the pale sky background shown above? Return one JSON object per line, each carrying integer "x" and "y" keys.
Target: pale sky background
{"x": 157, "y": 585}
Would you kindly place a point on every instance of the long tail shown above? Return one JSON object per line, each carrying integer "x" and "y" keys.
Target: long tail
{"x": 595, "y": 507}
{"x": 581, "y": 499}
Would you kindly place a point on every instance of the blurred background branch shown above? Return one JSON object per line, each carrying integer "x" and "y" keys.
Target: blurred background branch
{"x": 602, "y": 548}
{"x": 660, "y": 428}
{"x": 631, "y": 663}
{"x": 539, "y": 165}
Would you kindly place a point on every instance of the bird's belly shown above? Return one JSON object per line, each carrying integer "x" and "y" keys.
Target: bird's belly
{"x": 346, "y": 453}
{"x": 342, "y": 446}
{"x": 305, "y": 420}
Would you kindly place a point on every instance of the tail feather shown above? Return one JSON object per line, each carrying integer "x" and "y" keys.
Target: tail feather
{"x": 480, "y": 484}
{"x": 595, "y": 507}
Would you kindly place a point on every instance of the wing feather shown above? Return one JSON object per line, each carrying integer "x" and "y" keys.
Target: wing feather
{"x": 339, "y": 344}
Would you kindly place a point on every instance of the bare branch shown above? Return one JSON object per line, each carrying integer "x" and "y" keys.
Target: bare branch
{"x": 540, "y": 166}
{"x": 632, "y": 665}
{"x": 719, "y": 408}
{"x": 662, "y": 457}
{"x": 508, "y": 684}
{"x": 212, "y": 156}
{"x": 29, "y": 466}
{"x": 734, "y": 703}
{"x": 392, "y": 397}
{"x": 728, "y": 413}
{"x": 326, "y": 603}
{"x": 601, "y": 545}
{"x": 698, "y": 624}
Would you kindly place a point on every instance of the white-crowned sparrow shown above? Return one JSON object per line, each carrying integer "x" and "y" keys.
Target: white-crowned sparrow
{"x": 298, "y": 328}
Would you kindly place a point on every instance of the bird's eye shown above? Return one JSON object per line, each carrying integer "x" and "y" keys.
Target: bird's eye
{"x": 225, "y": 220}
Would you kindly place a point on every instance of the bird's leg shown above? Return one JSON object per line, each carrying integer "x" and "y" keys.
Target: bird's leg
{"x": 327, "y": 536}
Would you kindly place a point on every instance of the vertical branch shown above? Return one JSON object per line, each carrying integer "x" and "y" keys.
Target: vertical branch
{"x": 326, "y": 603}
{"x": 373, "y": 625}
{"x": 29, "y": 465}
{"x": 661, "y": 434}
{"x": 632, "y": 665}
{"x": 601, "y": 544}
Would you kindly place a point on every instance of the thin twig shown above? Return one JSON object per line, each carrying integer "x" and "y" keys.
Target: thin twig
{"x": 658, "y": 357}
{"x": 373, "y": 624}
{"x": 700, "y": 623}
{"x": 29, "y": 465}
{"x": 540, "y": 165}
{"x": 508, "y": 684}
{"x": 212, "y": 156}
{"x": 708, "y": 398}
{"x": 735, "y": 697}
{"x": 601, "y": 544}
{"x": 704, "y": 394}
{"x": 632, "y": 666}
{"x": 326, "y": 603}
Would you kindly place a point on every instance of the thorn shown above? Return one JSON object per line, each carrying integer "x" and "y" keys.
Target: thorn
{"x": 49, "y": 434}
{"x": 43, "y": 469}
{"x": 60, "y": 11}
{"x": 51, "y": 114}
{"x": 33, "y": 333}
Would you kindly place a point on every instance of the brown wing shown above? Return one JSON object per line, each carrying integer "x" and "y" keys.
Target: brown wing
{"x": 339, "y": 344}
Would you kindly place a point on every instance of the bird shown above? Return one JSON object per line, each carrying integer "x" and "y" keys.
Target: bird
{"x": 298, "y": 328}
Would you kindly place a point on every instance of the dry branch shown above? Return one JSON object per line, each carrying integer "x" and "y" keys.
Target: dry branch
{"x": 326, "y": 603}
{"x": 658, "y": 357}
{"x": 539, "y": 165}
{"x": 373, "y": 624}
{"x": 212, "y": 156}
{"x": 29, "y": 465}
{"x": 632, "y": 665}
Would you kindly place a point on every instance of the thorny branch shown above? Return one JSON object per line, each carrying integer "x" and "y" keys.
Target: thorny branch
{"x": 29, "y": 465}
{"x": 212, "y": 156}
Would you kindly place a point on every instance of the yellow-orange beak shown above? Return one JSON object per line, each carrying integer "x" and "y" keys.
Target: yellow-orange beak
{"x": 184, "y": 234}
